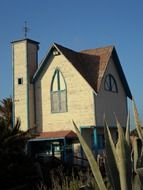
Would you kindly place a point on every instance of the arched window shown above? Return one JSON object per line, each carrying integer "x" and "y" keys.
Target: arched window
{"x": 110, "y": 84}
{"x": 58, "y": 93}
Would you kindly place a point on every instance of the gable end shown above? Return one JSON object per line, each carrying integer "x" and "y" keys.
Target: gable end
{"x": 91, "y": 64}
{"x": 121, "y": 74}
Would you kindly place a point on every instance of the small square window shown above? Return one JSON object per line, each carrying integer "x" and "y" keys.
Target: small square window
{"x": 20, "y": 81}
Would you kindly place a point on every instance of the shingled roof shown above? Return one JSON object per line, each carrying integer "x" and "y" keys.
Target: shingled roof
{"x": 91, "y": 64}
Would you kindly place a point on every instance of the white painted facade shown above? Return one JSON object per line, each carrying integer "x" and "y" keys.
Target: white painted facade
{"x": 109, "y": 104}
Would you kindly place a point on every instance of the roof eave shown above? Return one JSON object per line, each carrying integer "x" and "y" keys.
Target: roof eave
{"x": 42, "y": 64}
{"x": 107, "y": 61}
{"x": 121, "y": 73}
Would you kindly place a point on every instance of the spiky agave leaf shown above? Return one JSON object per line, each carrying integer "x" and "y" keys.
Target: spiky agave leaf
{"x": 107, "y": 181}
{"x": 136, "y": 183}
{"x": 124, "y": 160}
{"x": 111, "y": 158}
{"x": 137, "y": 150}
{"x": 139, "y": 171}
{"x": 137, "y": 120}
{"x": 93, "y": 164}
{"x": 128, "y": 130}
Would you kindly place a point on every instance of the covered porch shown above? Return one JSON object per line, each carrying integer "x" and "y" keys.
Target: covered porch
{"x": 59, "y": 144}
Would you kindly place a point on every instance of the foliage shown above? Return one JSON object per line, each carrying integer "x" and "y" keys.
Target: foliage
{"x": 16, "y": 168}
{"x": 124, "y": 160}
{"x": 12, "y": 140}
{"x": 6, "y": 111}
{"x": 82, "y": 180}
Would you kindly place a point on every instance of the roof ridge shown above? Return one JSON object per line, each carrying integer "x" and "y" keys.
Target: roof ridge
{"x": 60, "y": 46}
{"x": 82, "y": 51}
{"x": 99, "y": 48}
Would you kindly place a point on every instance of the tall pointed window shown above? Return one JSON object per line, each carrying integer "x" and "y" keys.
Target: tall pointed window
{"x": 110, "y": 84}
{"x": 58, "y": 93}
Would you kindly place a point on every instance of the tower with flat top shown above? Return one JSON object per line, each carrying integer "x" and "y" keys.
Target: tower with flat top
{"x": 25, "y": 63}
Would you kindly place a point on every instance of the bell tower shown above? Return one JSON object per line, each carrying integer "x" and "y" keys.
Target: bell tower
{"x": 25, "y": 63}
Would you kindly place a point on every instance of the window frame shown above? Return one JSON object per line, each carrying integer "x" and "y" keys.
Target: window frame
{"x": 110, "y": 84}
{"x": 58, "y": 92}
{"x": 20, "y": 81}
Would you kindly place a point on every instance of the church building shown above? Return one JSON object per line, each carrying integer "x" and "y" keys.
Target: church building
{"x": 67, "y": 85}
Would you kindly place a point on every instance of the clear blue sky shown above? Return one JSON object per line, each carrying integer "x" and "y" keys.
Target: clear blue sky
{"x": 77, "y": 24}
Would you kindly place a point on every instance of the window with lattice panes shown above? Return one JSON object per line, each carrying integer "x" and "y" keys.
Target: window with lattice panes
{"x": 110, "y": 84}
{"x": 58, "y": 93}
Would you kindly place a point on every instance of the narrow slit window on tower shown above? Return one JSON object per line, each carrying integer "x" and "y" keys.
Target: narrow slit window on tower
{"x": 20, "y": 81}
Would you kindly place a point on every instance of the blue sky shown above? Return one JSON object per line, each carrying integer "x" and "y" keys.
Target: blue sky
{"x": 77, "y": 24}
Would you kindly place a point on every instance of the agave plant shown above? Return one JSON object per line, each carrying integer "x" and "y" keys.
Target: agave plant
{"x": 124, "y": 160}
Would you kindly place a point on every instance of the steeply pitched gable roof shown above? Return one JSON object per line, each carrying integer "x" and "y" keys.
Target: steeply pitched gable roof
{"x": 91, "y": 64}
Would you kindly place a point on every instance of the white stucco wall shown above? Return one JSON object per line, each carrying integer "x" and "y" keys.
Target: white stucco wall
{"x": 110, "y": 103}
